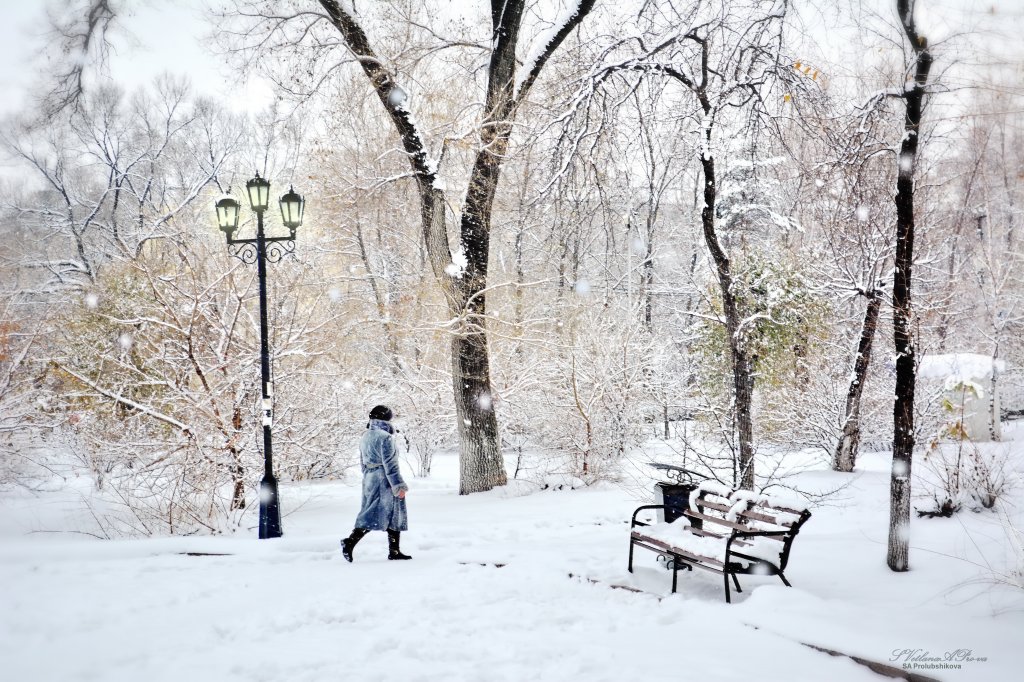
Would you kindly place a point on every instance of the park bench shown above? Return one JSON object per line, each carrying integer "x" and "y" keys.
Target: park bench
{"x": 725, "y": 531}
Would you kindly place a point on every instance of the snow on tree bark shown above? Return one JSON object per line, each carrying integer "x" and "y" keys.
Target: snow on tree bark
{"x": 845, "y": 456}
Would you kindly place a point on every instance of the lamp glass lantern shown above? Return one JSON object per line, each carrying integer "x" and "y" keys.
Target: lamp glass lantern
{"x": 227, "y": 215}
{"x": 293, "y": 205}
{"x": 259, "y": 193}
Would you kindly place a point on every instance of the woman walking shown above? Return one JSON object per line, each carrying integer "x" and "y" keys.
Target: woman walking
{"x": 383, "y": 488}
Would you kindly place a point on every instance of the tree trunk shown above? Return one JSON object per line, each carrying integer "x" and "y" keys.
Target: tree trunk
{"x": 481, "y": 466}
{"x": 742, "y": 363}
{"x": 903, "y": 407}
{"x": 994, "y": 430}
{"x": 237, "y": 470}
{"x": 647, "y": 283}
{"x": 845, "y": 455}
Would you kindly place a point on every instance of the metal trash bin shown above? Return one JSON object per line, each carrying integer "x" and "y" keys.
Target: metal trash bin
{"x": 676, "y": 498}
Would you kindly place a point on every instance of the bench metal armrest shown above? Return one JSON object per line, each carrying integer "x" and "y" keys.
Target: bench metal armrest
{"x": 634, "y": 523}
{"x": 741, "y": 534}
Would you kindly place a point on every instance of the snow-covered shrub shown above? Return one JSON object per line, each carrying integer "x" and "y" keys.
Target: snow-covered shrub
{"x": 585, "y": 408}
{"x": 959, "y": 471}
{"x": 975, "y": 475}
{"x": 158, "y": 371}
{"x": 25, "y": 418}
{"x": 784, "y": 327}
{"x": 944, "y": 478}
{"x": 426, "y": 418}
{"x": 988, "y": 475}
{"x": 783, "y": 322}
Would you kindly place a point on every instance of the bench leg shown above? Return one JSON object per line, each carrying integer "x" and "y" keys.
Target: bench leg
{"x": 736, "y": 582}
{"x": 630, "y": 566}
{"x": 784, "y": 581}
{"x": 675, "y": 575}
{"x": 728, "y": 597}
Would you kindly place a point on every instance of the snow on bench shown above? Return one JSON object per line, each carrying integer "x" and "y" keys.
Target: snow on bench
{"x": 725, "y": 531}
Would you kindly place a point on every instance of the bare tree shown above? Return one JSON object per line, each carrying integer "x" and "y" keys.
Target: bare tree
{"x": 465, "y": 287}
{"x": 79, "y": 44}
{"x": 855, "y": 242}
{"x": 728, "y": 60}
{"x": 90, "y": 219}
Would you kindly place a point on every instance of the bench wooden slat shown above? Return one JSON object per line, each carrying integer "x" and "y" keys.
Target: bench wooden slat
{"x": 716, "y": 519}
{"x": 728, "y": 502}
{"x": 729, "y": 524}
{"x": 737, "y": 542}
{"x": 661, "y": 544}
{"x": 748, "y": 513}
{"x": 707, "y": 533}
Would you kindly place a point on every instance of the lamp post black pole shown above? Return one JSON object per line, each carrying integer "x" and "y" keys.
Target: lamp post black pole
{"x": 257, "y": 251}
{"x": 270, "y": 506}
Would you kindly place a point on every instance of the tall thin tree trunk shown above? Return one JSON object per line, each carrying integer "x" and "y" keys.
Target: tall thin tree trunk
{"x": 648, "y": 271}
{"x": 741, "y": 360}
{"x": 994, "y": 430}
{"x": 236, "y": 467}
{"x": 845, "y": 455}
{"x": 903, "y": 407}
{"x": 742, "y": 363}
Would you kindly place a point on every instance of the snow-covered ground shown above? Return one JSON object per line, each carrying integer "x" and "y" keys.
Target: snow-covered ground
{"x": 488, "y": 595}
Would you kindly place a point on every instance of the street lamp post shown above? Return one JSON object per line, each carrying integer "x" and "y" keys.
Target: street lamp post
{"x": 260, "y": 250}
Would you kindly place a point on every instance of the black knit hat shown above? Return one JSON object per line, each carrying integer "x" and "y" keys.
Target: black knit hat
{"x": 382, "y": 412}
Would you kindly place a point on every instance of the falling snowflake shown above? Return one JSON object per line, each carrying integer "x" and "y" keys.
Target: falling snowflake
{"x": 125, "y": 341}
{"x": 458, "y": 264}
{"x": 397, "y": 97}
{"x": 484, "y": 401}
{"x": 334, "y": 293}
{"x": 583, "y": 287}
{"x": 863, "y": 213}
{"x": 91, "y": 301}
{"x": 906, "y": 162}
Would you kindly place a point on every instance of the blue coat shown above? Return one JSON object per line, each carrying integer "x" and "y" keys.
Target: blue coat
{"x": 381, "y": 510}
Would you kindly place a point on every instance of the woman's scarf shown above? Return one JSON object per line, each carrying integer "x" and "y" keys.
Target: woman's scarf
{"x": 380, "y": 424}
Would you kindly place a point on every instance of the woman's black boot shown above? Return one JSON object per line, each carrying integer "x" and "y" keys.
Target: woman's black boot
{"x": 394, "y": 552}
{"x": 349, "y": 543}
